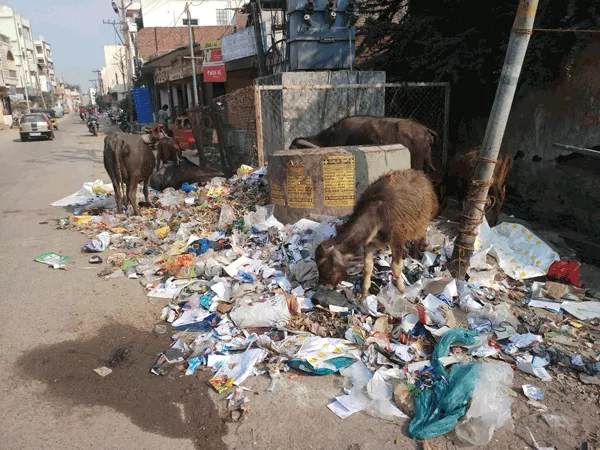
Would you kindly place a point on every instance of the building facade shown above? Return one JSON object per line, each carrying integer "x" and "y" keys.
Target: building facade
{"x": 45, "y": 64}
{"x": 8, "y": 79}
{"x": 18, "y": 29}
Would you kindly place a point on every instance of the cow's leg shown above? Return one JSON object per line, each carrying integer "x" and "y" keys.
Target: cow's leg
{"x": 397, "y": 253}
{"x": 368, "y": 271}
{"x": 131, "y": 194}
{"x": 146, "y": 191}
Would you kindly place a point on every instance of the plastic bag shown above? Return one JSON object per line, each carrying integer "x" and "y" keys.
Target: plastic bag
{"x": 170, "y": 197}
{"x": 490, "y": 405}
{"x": 226, "y": 218}
{"x": 262, "y": 219}
{"x": 270, "y": 313}
{"x": 394, "y": 302}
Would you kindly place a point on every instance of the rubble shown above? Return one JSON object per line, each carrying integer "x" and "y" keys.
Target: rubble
{"x": 242, "y": 299}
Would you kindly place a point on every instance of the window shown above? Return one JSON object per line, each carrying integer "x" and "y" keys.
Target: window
{"x": 26, "y": 33}
{"x": 192, "y": 22}
{"x": 38, "y": 48}
{"x": 222, "y": 17}
{"x": 20, "y": 32}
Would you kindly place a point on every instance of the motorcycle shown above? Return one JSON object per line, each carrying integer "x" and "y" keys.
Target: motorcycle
{"x": 124, "y": 122}
{"x": 93, "y": 125}
{"x": 112, "y": 118}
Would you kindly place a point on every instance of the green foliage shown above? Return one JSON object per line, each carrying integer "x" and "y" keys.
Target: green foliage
{"x": 464, "y": 42}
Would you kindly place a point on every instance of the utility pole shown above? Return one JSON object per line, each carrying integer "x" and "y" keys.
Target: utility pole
{"x": 191, "y": 39}
{"x": 128, "y": 85}
{"x": 100, "y": 80}
{"x": 474, "y": 207}
{"x": 258, "y": 37}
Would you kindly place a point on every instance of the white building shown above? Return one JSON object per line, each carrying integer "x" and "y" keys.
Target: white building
{"x": 92, "y": 94}
{"x": 18, "y": 29}
{"x": 170, "y": 13}
{"x": 43, "y": 51}
{"x": 115, "y": 69}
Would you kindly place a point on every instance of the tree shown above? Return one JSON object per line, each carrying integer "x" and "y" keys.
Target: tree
{"x": 464, "y": 42}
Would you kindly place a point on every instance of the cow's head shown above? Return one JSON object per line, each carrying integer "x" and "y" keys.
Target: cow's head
{"x": 331, "y": 264}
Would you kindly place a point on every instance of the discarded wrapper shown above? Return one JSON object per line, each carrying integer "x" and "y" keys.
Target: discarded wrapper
{"x": 103, "y": 371}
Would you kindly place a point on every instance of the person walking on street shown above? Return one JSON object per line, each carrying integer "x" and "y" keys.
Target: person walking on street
{"x": 163, "y": 117}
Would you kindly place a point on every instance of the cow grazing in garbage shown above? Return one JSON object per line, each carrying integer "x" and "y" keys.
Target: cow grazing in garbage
{"x": 395, "y": 209}
{"x": 128, "y": 160}
{"x": 167, "y": 150}
{"x": 370, "y": 130}
{"x": 459, "y": 176}
{"x": 173, "y": 176}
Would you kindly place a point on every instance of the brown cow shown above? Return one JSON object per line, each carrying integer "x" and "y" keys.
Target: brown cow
{"x": 128, "y": 160}
{"x": 167, "y": 150}
{"x": 459, "y": 176}
{"x": 394, "y": 209}
{"x": 172, "y": 175}
{"x": 370, "y": 130}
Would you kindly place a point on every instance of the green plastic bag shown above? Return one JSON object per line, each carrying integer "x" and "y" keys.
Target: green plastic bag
{"x": 441, "y": 406}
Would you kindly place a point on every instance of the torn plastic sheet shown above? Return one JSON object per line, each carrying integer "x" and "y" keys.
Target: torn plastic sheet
{"x": 370, "y": 392}
{"x": 236, "y": 368}
{"x": 321, "y": 356}
{"x": 519, "y": 252}
{"x": 91, "y": 190}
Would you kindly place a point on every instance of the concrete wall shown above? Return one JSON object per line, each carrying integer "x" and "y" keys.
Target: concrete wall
{"x": 114, "y": 56}
{"x": 169, "y": 13}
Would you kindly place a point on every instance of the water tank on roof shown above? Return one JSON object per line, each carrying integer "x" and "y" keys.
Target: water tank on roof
{"x": 320, "y": 34}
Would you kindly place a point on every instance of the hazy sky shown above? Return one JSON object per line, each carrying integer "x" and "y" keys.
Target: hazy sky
{"x": 74, "y": 29}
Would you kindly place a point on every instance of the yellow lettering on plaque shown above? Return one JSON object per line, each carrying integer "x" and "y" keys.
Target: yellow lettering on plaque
{"x": 339, "y": 187}
{"x": 298, "y": 186}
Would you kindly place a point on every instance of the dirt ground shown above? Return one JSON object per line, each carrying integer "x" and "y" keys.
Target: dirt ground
{"x": 60, "y": 325}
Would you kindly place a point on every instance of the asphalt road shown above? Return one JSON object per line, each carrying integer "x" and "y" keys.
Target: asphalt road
{"x": 42, "y": 307}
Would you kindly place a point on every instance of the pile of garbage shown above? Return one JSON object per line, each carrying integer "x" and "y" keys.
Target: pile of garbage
{"x": 242, "y": 299}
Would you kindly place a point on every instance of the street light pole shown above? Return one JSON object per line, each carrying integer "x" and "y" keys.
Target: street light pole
{"x": 473, "y": 210}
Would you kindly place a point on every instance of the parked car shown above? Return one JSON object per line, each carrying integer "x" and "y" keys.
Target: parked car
{"x": 36, "y": 126}
{"x": 59, "y": 111}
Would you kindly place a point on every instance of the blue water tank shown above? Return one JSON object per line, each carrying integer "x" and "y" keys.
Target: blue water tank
{"x": 143, "y": 105}
{"x": 320, "y": 34}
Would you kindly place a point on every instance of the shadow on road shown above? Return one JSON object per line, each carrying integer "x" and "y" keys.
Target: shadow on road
{"x": 174, "y": 405}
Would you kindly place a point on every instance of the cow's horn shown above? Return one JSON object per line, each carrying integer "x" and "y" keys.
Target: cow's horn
{"x": 306, "y": 143}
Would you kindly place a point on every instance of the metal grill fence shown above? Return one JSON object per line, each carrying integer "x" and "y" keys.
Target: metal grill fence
{"x": 226, "y": 130}
{"x": 289, "y": 112}
{"x": 228, "y": 133}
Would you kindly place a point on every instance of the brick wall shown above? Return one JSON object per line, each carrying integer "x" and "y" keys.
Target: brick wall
{"x": 155, "y": 41}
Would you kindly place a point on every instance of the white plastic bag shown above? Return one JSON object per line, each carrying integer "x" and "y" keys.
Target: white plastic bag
{"x": 262, "y": 219}
{"x": 226, "y": 218}
{"x": 270, "y": 313}
{"x": 490, "y": 405}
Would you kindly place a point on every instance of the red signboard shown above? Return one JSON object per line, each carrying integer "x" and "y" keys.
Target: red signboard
{"x": 215, "y": 73}
{"x": 214, "y": 55}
